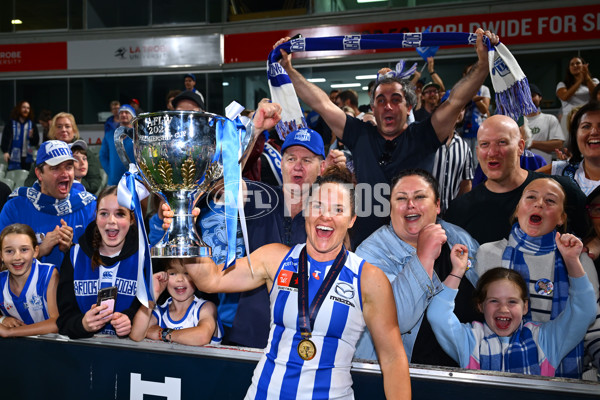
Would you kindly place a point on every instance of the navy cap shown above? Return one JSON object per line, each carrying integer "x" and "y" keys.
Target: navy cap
{"x": 307, "y": 138}
{"x": 188, "y": 95}
{"x": 190, "y": 75}
{"x": 54, "y": 152}
{"x": 535, "y": 90}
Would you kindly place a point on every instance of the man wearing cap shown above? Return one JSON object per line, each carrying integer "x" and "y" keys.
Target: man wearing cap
{"x": 111, "y": 163}
{"x": 545, "y": 129}
{"x": 57, "y": 213}
{"x": 135, "y": 103}
{"x": 380, "y": 152}
{"x": 188, "y": 101}
{"x": 189, "y": 81}
{"x": 431, "y": 99}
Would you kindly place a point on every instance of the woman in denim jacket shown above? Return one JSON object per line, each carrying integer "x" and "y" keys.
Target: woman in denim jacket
{"x": 414, "y": 252}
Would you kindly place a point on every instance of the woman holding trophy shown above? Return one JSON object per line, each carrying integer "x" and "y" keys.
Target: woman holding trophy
{"x": 322, "y": 296}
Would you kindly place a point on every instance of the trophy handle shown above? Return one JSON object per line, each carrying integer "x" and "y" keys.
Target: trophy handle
{"x": 120, "y": 134}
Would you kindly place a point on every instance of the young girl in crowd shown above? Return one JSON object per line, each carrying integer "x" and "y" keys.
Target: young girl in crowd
{"x": 504, "y": 342}
{"x": 533, "y": 251}
{"x": 27, "y": 286}
{"x": 183, "y": 317}
{"x": 106, "y": 256}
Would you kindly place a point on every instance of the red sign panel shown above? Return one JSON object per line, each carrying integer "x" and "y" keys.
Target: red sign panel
{"x": 518, "y": 27}
{"x": 33, "y": 57}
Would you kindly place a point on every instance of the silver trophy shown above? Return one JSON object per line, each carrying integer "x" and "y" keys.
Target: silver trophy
{"x": 174, "y": 152}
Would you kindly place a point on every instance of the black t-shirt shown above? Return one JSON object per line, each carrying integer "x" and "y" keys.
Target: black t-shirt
{"x": 427, "y": 349}
{"x": 414, "y": 148}
{"x": 421, "y": 114}
{"x": 487, "y": 215}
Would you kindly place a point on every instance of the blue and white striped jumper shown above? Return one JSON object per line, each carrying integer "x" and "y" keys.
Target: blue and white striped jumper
{"x": 189, "y": 320}
{"x": 281, "y": 373}
{"x": 31, "y": 305}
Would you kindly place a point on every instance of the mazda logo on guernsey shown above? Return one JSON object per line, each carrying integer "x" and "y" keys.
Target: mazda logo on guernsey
{"x": 345, "y": 290}
{"x": 262, "y": 197}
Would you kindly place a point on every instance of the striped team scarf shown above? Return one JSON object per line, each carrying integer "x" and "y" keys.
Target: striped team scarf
{"x": 513, "y": 97}
{"x": 75, "y": 201}
{"x": 20, "y": 144}
{"x": 519, "y": 243}
{"x": 521, "y": 355}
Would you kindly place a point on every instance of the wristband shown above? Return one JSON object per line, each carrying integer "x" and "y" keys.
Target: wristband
{"x": 166, "y": 335}
{"x": 432, "y": 72}
{"x": 2, "y": 318}
{"x": 456, "y": 276}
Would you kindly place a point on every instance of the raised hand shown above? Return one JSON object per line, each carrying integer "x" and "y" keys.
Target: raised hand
{"x": 429, "y": 245}
{"x": 335, "y": 157}
{"x": 286, "y": 59}
{"x": 160, "y": 280}
{"x": 459, "y": 257}
{"x": 569, "y": 246}
{"x": 267, "y": 115}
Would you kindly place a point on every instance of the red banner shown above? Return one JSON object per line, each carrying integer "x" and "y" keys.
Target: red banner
{"x": 518, "y": 27}
{"x": 33, "y": 57}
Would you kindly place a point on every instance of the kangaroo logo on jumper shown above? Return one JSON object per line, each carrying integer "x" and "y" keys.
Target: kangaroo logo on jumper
{"x": 316, "y": 275}
{"x": 107, "y": 275}
{"x": 36, "y": 303}
{"x": 302, "y": 135}
{"x": 345, "y": 290}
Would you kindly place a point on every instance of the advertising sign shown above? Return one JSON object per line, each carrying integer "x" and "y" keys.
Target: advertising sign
{"x": 178, "y": 51}
{"x": 516, "y": 27}
{"x": 33, "y": 57}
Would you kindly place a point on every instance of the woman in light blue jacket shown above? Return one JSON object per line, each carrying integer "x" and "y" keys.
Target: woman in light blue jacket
{"x": 414, "y": 252}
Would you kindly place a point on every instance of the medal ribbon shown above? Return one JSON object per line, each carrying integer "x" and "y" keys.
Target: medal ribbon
{"x": 306, "y": 315}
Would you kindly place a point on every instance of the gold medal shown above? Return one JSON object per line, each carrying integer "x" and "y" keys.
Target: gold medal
{"x": 307, "y": 349}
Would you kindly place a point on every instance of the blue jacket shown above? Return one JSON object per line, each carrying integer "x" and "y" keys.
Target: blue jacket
{"x": 109, "y": 158}
{"x": 412, "y": 287}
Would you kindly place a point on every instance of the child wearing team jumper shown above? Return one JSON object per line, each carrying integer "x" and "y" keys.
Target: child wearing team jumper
{"x": 503, "y": 342}
{"x": 27, "y": 286}
{"x": 183, "y": 318}
{"x": 106, "y": 256}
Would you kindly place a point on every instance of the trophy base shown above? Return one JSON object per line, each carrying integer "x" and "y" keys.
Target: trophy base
{"x": 180, "y": 251}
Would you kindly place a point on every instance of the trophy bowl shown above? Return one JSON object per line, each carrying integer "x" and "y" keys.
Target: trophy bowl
{"x": 175, "y": 153}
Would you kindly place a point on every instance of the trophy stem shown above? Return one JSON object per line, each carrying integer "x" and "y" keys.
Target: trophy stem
{"x": 181, "y": 240}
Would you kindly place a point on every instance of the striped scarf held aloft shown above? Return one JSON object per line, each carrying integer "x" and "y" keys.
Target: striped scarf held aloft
{"x": 521, "y": 244}
{"x": 513, "y": 97}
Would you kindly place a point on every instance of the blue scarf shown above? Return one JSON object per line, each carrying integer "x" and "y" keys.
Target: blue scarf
{"x": 519, "y": 243}
{"x": 129, "y": 193}
{"x": 513, "y": 97}
{"x": 521, "y": 355}
{"x": 75, "y": 201}
{"x": 20, "y": 144}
